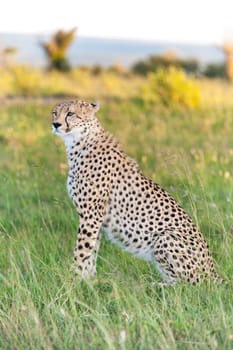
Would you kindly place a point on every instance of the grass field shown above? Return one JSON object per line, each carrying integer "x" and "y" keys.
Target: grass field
{"x": 42, "y": 306}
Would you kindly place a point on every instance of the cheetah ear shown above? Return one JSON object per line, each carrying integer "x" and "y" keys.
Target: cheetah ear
{"x": 95, "y": 106}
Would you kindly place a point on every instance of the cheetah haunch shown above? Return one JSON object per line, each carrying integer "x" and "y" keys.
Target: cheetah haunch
{"x": 111, "y": 193}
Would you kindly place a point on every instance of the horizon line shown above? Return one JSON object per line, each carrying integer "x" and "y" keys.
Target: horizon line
{"x": 114, "y": 38}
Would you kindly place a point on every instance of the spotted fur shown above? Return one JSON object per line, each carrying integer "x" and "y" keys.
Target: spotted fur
{"x": 112, "y": 194}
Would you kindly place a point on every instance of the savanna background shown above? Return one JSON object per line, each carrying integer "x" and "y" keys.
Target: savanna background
{"x": 173, "y": 113}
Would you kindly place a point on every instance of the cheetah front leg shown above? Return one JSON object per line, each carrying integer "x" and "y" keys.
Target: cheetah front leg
{"x": 87, "y": 246}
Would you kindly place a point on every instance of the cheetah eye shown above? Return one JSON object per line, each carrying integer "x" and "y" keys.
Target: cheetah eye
{"x": 69, "y": 114}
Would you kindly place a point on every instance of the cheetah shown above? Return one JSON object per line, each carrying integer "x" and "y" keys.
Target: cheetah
{"x": 111, "y": 194}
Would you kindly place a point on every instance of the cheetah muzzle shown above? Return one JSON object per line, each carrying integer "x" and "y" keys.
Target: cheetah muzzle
{"x": 112, "y": 194}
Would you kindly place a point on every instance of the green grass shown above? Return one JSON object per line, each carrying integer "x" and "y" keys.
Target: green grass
{"x": 42, "y": 306}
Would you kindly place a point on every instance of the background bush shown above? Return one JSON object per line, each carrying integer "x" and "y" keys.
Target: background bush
{"x": 25, "y": 80}
{"x": 171, "y": 87}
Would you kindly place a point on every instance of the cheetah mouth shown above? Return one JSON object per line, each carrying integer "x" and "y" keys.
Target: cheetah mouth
{"x": 55, "y": 131}
{"x": 61, "y": 133}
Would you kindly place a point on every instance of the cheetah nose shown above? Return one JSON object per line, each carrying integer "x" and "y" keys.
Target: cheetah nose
{"x": 56, "y": 125}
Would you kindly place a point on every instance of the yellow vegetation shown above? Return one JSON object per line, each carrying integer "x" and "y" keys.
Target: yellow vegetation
{"x": 170, "y": 87}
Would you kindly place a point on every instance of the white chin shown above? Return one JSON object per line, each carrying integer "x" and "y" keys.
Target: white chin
{"x": 57, "y": 132}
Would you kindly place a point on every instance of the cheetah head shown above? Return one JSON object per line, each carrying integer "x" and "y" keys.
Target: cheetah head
{"x": 73, "y": 117}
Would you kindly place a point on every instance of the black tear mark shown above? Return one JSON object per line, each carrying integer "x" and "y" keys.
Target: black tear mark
{"x": 67, "y": 125}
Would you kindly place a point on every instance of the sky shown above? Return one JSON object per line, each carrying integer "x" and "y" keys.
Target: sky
{"x": 185, "y": 21}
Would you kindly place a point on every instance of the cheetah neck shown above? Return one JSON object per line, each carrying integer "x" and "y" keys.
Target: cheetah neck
{"x": 75, "y": 137}
{"x": 78, "y": 136}
{"x": 76, "y": 140}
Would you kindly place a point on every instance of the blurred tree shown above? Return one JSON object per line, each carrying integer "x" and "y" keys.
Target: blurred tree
{"x": 56, "y": 49}
{"x": 214, "y": 70}
{"x": 166, "y": 60}
{"x": 228, "y": 51}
